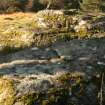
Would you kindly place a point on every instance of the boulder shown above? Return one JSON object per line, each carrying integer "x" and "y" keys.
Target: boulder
{"x": 50, "y": 19}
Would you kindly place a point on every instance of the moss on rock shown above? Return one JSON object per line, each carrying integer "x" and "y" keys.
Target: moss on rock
{"x": 67, "y": 83}
{"x": 69, "y": 89}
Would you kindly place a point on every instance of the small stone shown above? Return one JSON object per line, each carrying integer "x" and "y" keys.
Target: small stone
{"x": 34, "y": 48}
{"x": 83, "y": 58}
{"x": 100, "y": 63}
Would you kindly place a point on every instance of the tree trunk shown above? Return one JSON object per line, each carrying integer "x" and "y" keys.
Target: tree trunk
{"x": 48, "y": 5}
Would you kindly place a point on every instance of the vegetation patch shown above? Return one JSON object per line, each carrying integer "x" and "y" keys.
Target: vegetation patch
{"x": 7, "y": 92}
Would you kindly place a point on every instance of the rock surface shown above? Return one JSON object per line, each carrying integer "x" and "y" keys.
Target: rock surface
{"x": 73, "y": 55}
{"x": 36, "y": 72}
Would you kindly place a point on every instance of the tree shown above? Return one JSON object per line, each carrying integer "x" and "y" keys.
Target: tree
{"x": 52, "y": 3}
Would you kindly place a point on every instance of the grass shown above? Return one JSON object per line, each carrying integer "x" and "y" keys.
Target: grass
{"x": 7, "y": 92}
{"x": 15, "y": 30}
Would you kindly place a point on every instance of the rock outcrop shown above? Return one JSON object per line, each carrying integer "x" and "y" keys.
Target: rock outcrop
{"x": 64, "y": 73}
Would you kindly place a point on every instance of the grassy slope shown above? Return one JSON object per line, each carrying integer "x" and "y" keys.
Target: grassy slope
{"x": 15, "y": 30}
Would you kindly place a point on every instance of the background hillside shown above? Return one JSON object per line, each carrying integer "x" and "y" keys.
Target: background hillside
{"x": 8, "y": 6}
